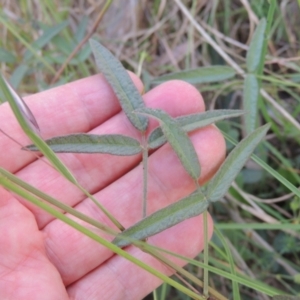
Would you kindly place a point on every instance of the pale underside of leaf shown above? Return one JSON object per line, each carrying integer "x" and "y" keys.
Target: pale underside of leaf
{"x": 29, "y": 126}
{"x": 19, "y": 106}
{"x": 129, "y": 97}
{"x": 220, "y": 183}
{"x": 250, "y": 99}
{"x": 200, "y": 75}
{"x": 178, "y": 139}
{"x": 114, "y": 144}
{"x": 188, "y": 207}
{"x": 256, "y": 46}
{"x": 192, "y": 122}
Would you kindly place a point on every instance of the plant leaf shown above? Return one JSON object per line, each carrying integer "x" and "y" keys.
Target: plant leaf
{"x": 200, "y": 75}
{"x": 178, "y": 139}
{"x": 129, "y": 97}
{"x": 256, "y": 46}
{"x": 192, "y": 122}
{"x": 197, "y": 202}
{"x": 45, "y": 38}
{"x": 6, "y": 56}
{"x": 188, "y": 207}
{"x": 220, "y": 183}
{"x": 29, "y": 127}
{"x": 114, "y": 144}
{"x": 19, "y": 107}
{"x": 250, "y": 99}
{"x": 285, "y": 297}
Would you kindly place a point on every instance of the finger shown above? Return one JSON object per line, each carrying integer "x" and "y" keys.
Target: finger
{"x": 119, "y": 278}
{"x": 75, "y": 255}
{"x": 25, "y": 271}
{"x": 96, "y": 171}
{"x": 75, "y": 107}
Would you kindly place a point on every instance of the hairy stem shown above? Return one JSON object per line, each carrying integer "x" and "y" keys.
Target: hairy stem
{"x": 205, "y": 261}
{"x": 145, "y": 174}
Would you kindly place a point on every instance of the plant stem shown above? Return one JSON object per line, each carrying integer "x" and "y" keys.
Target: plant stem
{"x": 205, "y": 261}
{"x": 145, "y": 173}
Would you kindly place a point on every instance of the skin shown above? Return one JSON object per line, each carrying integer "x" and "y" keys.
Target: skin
{"x": 43, "y": 258}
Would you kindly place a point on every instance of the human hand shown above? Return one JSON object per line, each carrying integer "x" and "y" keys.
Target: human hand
{"x": 43, "y": 258}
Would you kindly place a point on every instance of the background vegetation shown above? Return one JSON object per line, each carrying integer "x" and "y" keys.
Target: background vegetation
{"x": 260, "y": 216}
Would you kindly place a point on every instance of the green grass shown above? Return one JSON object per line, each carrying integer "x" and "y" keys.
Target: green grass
{"x": 262, "y": 238}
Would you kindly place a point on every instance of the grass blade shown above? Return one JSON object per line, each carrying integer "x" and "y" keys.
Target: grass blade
{"x": 222, "y": 180}
{"x": 193, "y": 122}
{"x": 250, "y": 99}
{"x": 89, "y": 233}
{"x": 45, "y": 38}
{"x": 269, "y": 169}
{"x": 200, "y": 75}
{"x": 256, "y": 47}
{"x": 178, "y": 139}
{"x": 188, "y": 207}
{"x": 129, "y": 97}
{"x": 28, "y": 125}
{"x": 235, "y": 286}
{"x": 18, "y": 183}
{"x": 285, "y": 297}
{"x": 114, "y": 144}
{"x": 24, "y": 120}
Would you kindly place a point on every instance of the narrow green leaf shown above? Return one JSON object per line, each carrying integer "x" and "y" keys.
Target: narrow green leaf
{"x": 192, "y": 122}
{"x": 91, "y": 234}
{"x": 250, "y": 99}
{"x": 45, "y": 38}
{"x": 81, "y": 29}
{"x": 256, "y": 47}
{"x": 114, "y": 144}
{"x": 6, "y": 56}
{"x": 178, "y": 139}
{"x": 19, "y": 107}
{"x": 200, "y": 75}
{"x": 129, "y": 97}
{"x": 188, "y": 207}
{"x": 29, "y": 126}
{"x": 18, "y": 75}
{"x": 286, "y": 297}
{"x": 21, "y": 188}
{"x": 220, "y": 183}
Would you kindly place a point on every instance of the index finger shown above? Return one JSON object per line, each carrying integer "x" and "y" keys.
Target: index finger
{"x": 75, "y": 107}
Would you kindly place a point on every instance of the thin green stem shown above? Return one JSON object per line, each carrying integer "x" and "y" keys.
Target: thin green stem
{"x": 155, "y": 296}
{"x": 102, "y": 208}
{"x": 205, "y": 252}
{"x": 145, "y": 173}
{"x": 59, "y": 215}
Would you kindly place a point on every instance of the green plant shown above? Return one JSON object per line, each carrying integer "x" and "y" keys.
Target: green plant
{"x": 257, "y": 222}
{"x": 170, "y": 130}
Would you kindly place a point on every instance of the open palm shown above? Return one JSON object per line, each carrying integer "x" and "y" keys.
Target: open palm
{"x": 43, "y": 258}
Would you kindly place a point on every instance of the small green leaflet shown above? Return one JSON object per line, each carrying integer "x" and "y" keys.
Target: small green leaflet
{"x": 178, "y": 139}
{"x": 251, "y": 95}
{"x": 197, "y": 202}
{"x": 114, "y": 144}
{"x": 129, "y": 97}
{"x": 188, "y": 207}
{"x": 200, "y": 75}
{"x": 192, "y": 122}
{"x": 256, "y": 47}
{"x": 220, "y": 183}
